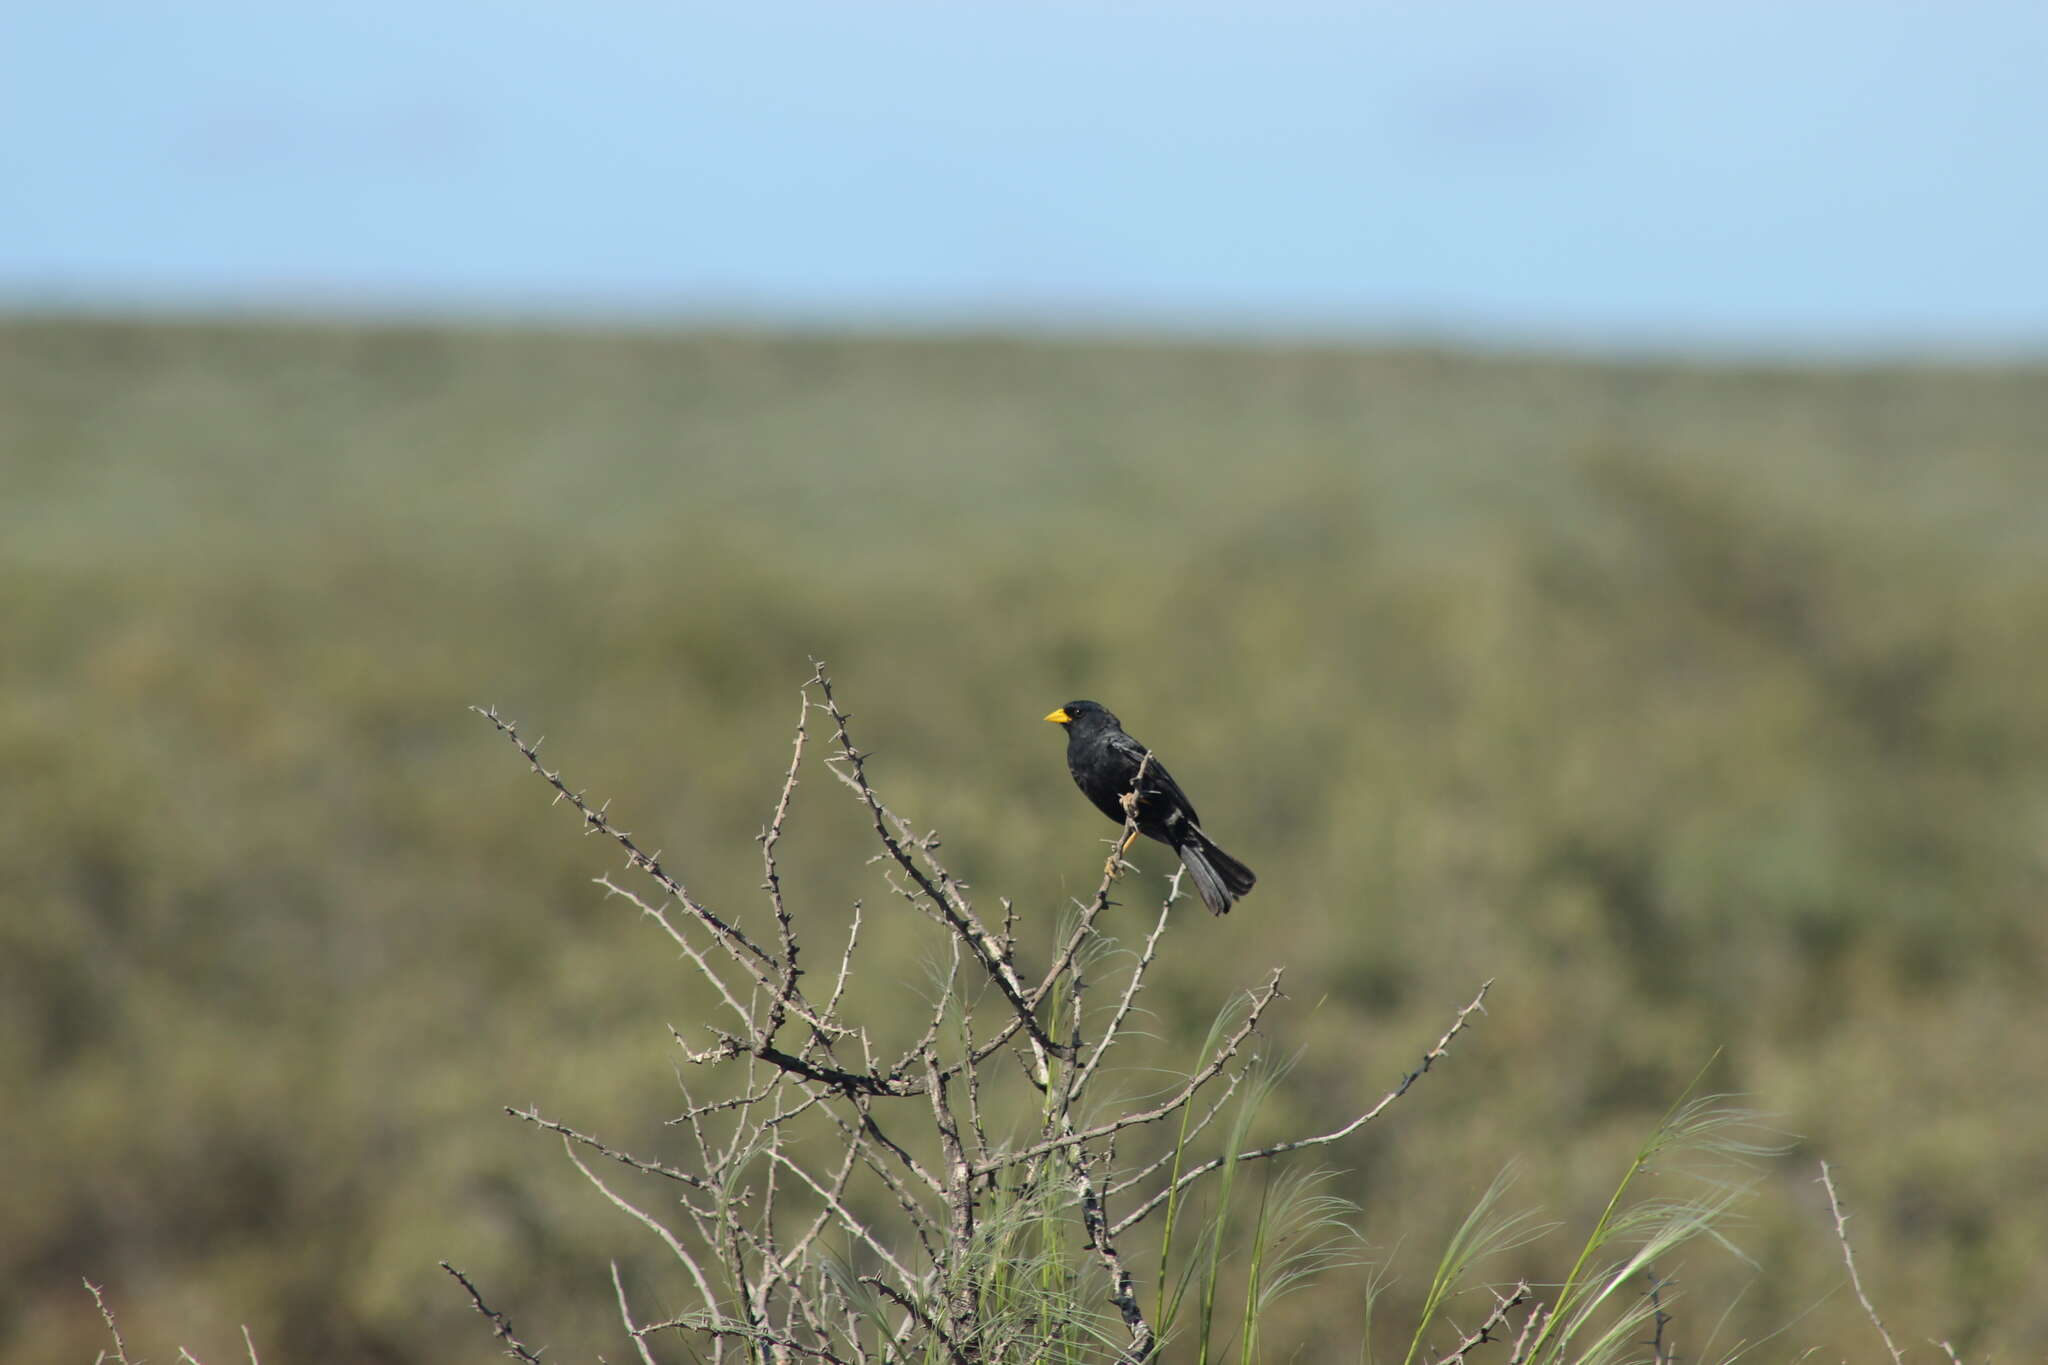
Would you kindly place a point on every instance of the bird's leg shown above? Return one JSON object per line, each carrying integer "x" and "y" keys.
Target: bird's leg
{"x": 1114, "y": 868}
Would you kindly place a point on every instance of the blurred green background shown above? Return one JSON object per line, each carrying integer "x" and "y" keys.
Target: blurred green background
{"x": 1699, "y": 705}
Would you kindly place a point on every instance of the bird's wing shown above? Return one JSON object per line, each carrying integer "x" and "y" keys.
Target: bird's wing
{"x": 1160, "y": 788}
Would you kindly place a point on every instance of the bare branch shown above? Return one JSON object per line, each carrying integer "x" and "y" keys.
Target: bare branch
{"x": 1085, "y": 926}
{"x": 1827, "y": 1182}
{"x": 500, "y": 1324}
{"x": 626, "y": 1316}
{"x": 757, "y": 960}
{"x": 772, "y": 835}
{"x": 1115, "y": 1028}
{"x": 596, "y": 822}
{"x": 1533, "y": 1329}
{"x": 1490, "y": 1330}
{"x": 1123, "y": 1291}
{"x": 821, "y": 1217}
{"x": 1225, "y": 1053}
{"x": 940, "y": 891}
{"x": 1429, "y": 1061}
{"x": 1216, "y": 1105}
{"x": 653, "y": 1224}
{"x": 1662, "y": 1351}
{"x": 918, "y": 1314}
{"x": 533, "y": 1116}
{"x": 723, "y": 1327}
{"x": 120, "y": 1356}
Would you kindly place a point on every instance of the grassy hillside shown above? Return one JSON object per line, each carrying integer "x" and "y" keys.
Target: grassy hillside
{"x": 1700, "y": 706}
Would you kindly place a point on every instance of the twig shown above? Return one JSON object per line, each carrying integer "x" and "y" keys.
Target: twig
{"x": 1217, "y": 1104}
{"x": 533, "y": 1117}
{"x": 758, "y": 961}
{"x": 721, "y": 1327}
{"x": 649, "y": 1221}
{"x": 1533, "y": 1328}
{"x": 120, "y": 1356}
{"x": 626, "y": 1316}
{"x": 1661, "y": 1351}
{"x": 1490, "y": 1329}
{"x": 1208, "y": 1071}
{"x": 940, "y": 890}
{"x": 772, "y": 835}
{"x": 1429, "y": 1061}
{"x": 500, "y": 1324}
{"x": 1849, "y": 1259}
{"x": 1123, "y": 1292}
{"x": 1084, "y": 927}
{"x": 1115, "y": 1028}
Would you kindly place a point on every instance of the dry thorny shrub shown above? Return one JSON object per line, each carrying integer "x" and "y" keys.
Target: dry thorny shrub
{"x": 959, "y": 1194}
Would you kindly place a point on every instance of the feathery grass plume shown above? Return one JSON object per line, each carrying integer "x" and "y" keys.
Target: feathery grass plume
{"x": 1486, "y": 1231}
{"x": 1301, "y": 1231}
{"x": 1296, "y": 1230}
{"x": 1629, "y": 1238}
{"x": 1174, "y": 1286}
{"x": 1594, "y": 1316}
{"x": 1029, "y": 1269}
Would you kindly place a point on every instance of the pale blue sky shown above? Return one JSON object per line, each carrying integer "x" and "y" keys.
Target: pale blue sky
{"x": 1854, "y": 176}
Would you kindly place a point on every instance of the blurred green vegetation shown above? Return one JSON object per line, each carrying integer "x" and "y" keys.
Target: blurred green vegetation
{"x": 1701, "y": 705}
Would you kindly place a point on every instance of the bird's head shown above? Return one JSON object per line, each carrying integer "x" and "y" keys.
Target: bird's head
{"x": 1083, "y": 713}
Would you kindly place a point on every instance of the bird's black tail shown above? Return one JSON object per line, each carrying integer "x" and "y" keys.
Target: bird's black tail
{"x": 1219, "y": 878}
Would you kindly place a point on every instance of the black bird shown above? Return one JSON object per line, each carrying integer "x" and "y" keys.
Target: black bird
{"x": 1105, "y": 762}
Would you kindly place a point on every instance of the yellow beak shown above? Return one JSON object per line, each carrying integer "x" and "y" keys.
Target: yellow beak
{"x": 1060, "y": 717}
